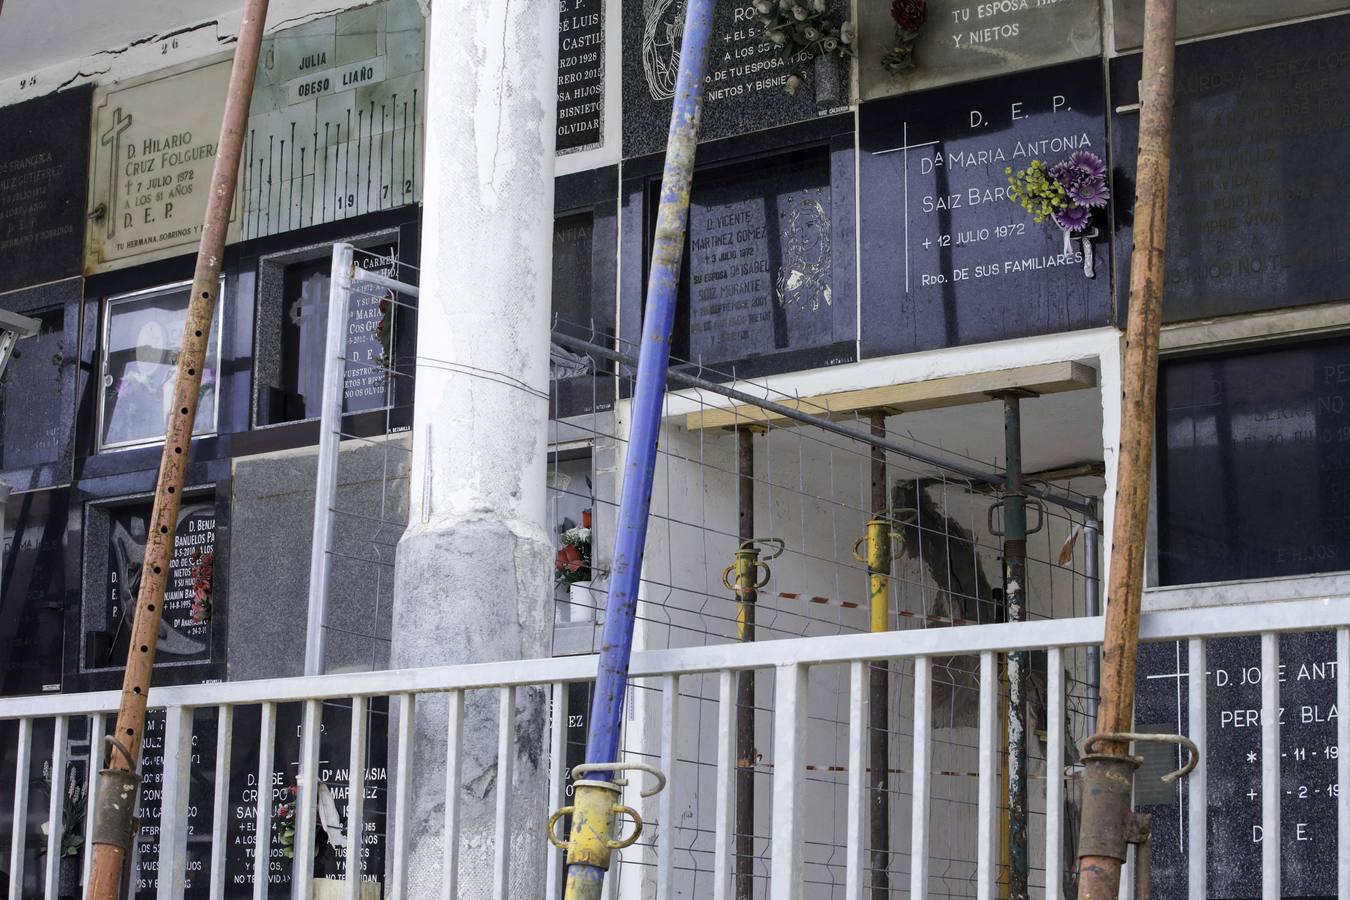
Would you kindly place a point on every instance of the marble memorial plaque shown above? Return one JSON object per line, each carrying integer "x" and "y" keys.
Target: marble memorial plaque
{"x": 151, "y": 153}
{"x": 185, "y": 636}
{"x": 965, "y": 40}
{"x": 581, "y": 75}
{"x": 44, "y": 164}
{"x": 37, "y": 390}
{"x": 743, "y": 88}
{"x": 1201, "y": 17}
{"x": 1260, "y": 138}
{"x": 1308, "y": 763}
{"x": 948, "y": 258}
{"x": 335, "y": 128}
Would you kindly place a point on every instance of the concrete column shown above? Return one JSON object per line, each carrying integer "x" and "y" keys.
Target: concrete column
{"x": 473, "y": 581}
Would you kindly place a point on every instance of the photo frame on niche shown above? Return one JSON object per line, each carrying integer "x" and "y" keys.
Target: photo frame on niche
{"x": 767, "y": 283}
{"x": 141, "y": 338}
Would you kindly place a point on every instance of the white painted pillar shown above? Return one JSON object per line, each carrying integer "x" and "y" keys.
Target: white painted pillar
{"x": 473, "y": 581}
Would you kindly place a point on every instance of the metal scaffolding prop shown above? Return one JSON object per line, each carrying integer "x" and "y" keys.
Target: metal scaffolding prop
{"x": 1108, "y": 823}
{"x": 113, "y": 817}
{"x": 592, "y": 841}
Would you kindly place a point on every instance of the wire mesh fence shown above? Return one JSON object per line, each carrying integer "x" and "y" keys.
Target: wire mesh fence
{"x": 812, "y": 492}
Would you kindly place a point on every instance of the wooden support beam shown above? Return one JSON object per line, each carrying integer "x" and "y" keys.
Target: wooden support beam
{"x": 955, "y": 390}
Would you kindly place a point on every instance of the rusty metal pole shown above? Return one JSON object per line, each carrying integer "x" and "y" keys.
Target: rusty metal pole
{"x": 879, "y": 674}
{"x": 746, "y": 595}
{"x": 1014, "y": 506}
{"x": 113, "y": 823}
{"x": 1108, "y": 777}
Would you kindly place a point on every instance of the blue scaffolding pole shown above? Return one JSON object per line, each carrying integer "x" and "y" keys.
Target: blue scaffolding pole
{"x": 597, "y": 795}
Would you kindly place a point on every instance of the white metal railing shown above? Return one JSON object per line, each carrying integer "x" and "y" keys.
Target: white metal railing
{"x": 791, "y": 660}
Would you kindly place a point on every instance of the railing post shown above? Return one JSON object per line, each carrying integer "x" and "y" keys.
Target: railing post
{"x": 589, "y": 854}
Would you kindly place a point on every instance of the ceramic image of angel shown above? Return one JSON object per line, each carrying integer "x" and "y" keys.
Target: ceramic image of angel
{"x": 804, "y": 277}
{"x": 662, "y": 25}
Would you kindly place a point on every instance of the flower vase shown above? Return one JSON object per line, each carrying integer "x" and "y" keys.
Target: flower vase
{"x": 587, "y": 600}
{"x": 828, "y": 72}
{"x": 68, "y": 878}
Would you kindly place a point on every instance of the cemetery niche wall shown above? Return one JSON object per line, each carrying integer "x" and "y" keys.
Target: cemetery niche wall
{"x": 336, "y": 123}
{"x": 1225, "y": 423}
{"x": 967, "y": 40}
{"x": 37, "y": 390}
{"x": 767, "y": 280}
{"x": 744, "y": 88}
{"x": 44, "y": 165}
{"x": 948, "y": 257}
{"x": 585, "y": 274}
{"x": 1260, "y": 137}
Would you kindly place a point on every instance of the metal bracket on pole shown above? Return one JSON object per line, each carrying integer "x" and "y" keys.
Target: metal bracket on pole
{"x": 1108, "y": 779}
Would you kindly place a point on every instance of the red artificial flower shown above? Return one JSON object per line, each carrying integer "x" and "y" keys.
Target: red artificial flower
{"x": 283, "y": 811}
{"x": 910, "y": 15}
{"x": 569, "y": 559}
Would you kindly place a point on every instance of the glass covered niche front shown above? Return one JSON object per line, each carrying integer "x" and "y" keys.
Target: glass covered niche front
{"x": 142, "y": 340}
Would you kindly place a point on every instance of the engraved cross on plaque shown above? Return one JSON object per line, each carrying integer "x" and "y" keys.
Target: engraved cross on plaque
{"x": 112, "y": 138}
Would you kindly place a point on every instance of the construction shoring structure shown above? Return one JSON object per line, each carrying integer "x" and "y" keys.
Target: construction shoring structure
{"x": 1108, "y": 774}
{"x": 592, "y": 838}
{"x": 114, "y": 822}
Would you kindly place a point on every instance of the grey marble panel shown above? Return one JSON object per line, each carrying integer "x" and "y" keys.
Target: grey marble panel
{"x": 964, "y": 40}
{"x": 274, "y": 496}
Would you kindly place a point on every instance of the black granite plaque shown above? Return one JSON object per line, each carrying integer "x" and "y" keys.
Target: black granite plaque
{"x": 1261, "y": 134}
{"x": 155, "y": 755}
{"x": 1308, "y": 765}
{"x": 371, "y": 320}
{"x": 333, "y": 838}
{"x": 37, "y": 390}
{"x": 1199, "y": 17}
{"x": 185, "y": 636}
{"x": 32, "y": 608}
{"x": 1226, "y": 424}
{"x": 744, "y": 85}
{"x": 767, "y": 282}
{"x": 948, "y": 258}
{"x": 44, "y": 164}
{"x": 761, "y": 262}
{"x": 581, "y": 75}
